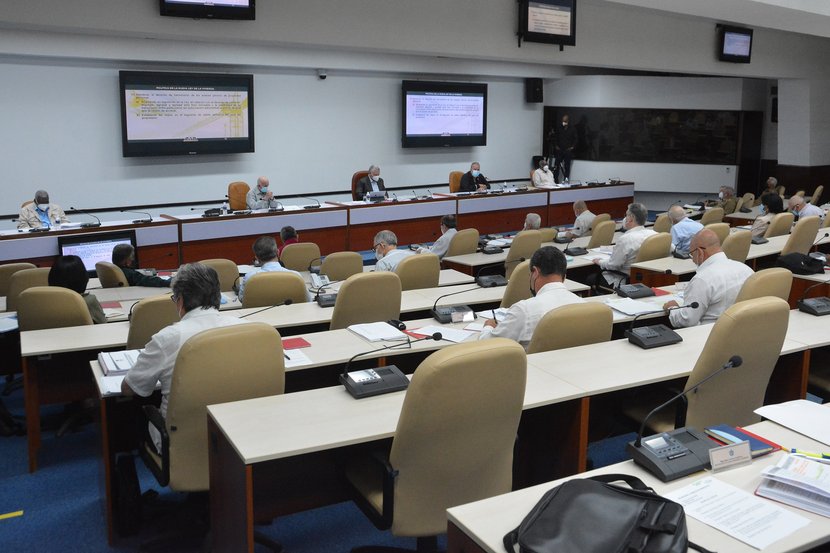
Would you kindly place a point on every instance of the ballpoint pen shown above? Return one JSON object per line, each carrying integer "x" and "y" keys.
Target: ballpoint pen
{"x": 810, "y": 454}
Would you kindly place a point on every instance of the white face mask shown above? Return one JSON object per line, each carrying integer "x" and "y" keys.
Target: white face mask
{"x": 544, "y": 167}
{"x": 375, "y": 178}
{"x": 43, "y": 207}
{"x": 720, "y": 195}
{"x": 378, "y": 255}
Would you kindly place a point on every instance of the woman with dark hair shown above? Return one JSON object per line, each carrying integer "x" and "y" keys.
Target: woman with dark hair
{"x": 771, "y": 205}
{"x": 69, "y": 272}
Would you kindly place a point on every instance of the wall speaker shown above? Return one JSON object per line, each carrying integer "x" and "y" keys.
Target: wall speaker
{"x": 534, "y": 93}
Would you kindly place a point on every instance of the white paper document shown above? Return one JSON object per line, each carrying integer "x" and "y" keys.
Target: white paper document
{"x": 295, "y": 358}
{"x": 798, "y": 481}
{"x": 448, "y": 334}
{"x": 805, "y": 417}
{"x": 497, "y": 314}
{"x": 737, "y": 513}
{"x": 376, "y": 332}
{"x": 112, "y": 384}
{"x": 632, "y": 307}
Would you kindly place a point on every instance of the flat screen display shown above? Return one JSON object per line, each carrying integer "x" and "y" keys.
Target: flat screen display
{"x": 186, "y": 113}
{"x": 548, "y": 21}
{"x": 735, "y": 44}
{"x": 95, "y": 247}
{"x": 437, "y": 114}
{"x": 215, "y": 9}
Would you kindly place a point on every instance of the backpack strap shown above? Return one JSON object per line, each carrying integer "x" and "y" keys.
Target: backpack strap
{"x": 512, "y": 538}
{"x": 634, "y": 482}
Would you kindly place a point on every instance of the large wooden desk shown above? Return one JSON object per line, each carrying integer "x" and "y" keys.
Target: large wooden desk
{"x": 479, "y": 527}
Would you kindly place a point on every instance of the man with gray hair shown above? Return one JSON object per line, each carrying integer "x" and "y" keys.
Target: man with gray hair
{"x": 583, "y": 222}
{"x": 682, "y": 229}
{"x": 197, "y": 297}
{"x": 442, "y": 245}
{"x": 40, "y": 213}
{"x": 532, "y": 221}
{"x": 617, "y": 267}
{"x": 387, "y": 252}
{"x": 265, "y": 251}
{"x": 801, "y": 208}
{"x": 260, "y": 197}
{"x": 370, "y": 183}
{"x": 726, "y": 200}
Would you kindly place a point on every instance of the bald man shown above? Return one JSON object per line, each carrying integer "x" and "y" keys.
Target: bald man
{"x": 714, "y": 287}
{"x": 682, "y": 229}
{"x": 583, "y": 222}
{"x": 801, "y": 208}
{"x": 260, "y": 197}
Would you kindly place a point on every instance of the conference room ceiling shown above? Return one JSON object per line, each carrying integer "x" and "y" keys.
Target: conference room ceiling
{"x": 809, "y": 17}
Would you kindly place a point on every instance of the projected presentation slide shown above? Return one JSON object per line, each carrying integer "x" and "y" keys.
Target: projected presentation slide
{"x": 93, "y": 252}
{"x": 736, "y": 44}
{"x": 444, "y": 114}
{"x": 234, "y": 3}
{"x": 186, "y": 113}
{"x": 549, "y": 18}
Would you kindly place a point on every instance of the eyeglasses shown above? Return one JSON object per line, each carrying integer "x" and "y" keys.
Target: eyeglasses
{"x": 696, "y": 249}
{"x": 174, "y": 298}
{"x": 378, "y": 244}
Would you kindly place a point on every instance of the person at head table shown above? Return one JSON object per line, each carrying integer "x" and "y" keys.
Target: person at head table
{"x": 123, "y": 256}
{"x": 547, "y": 286}
{"x": 682, "y": 229}
{"x": 543, "y": 176}
{"x": 440, "y": 247}
{"x": 197, "y": 297}
{"x": 473, "y": 180}
{"x": 69, "y": 272}
{"x": 714, "y": 287}
{"x": 260, "y": 197}
{"x": 370, "y": 183}
{"x": 582, "y": 223}
{"x": 40, "y": 213}
{"x": 387, "y": 252}
{"x": 265, "y": 251}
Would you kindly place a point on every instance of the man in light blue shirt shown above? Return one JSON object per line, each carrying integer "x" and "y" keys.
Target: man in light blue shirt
{"x": 265, "y": 250}
{"x": 682, "y": 230}
{"x": 387, "y": 252}
{"x": 802, "y": 209}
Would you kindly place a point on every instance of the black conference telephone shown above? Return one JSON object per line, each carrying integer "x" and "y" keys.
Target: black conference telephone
{"x": 815, "y": 306}
{"x": 634, "y": 291}
{"x": 681, "y": 255}
{"x": 673, "y": 454}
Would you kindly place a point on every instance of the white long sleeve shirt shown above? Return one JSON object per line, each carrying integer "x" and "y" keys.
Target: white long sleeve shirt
{"x": 714, "y": 288}
{"x": 624, "y": 253}
{"x": 582, "y": 224}
{"x": 441, "y": 245}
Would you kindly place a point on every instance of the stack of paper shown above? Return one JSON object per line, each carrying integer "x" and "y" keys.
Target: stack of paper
{"x": 632, "y": 307}
{"x": 798, "y": 481}
{"x": 377, "y": 332}
{"x": 447, "y": 333}
{"x": 117, "y": 362}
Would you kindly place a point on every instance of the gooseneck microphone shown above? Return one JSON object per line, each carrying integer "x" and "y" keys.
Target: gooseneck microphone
{"x": 734, "y": 361}
{"x": 149, "y": 218}
{"x": 693, "y": 305}
{"x": 312, "y": 268}
{"x": 312, "y": 206}
{"x": 437, "y": 336}
{"x": 279, "y": 206}
{"x": 287, "y": 301}
{"x": 655, "y": 336}
{"x": 97, "y": 222}
{"x": 817, "y": 307}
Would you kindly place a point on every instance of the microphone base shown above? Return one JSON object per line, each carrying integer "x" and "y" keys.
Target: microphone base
{"x": 575, "y": 251}
{"x": 455, "y": 314}
{"x": 314, "y": 269}
{"x": 140, "y": 221}
{"x": 90, "y": 225}
{"x": 275, "y": 209}
{"x": 491, "y": 250}
{"x": 311, "y": 207}
{"x": 654, "y": 336}
{"x": 373, "y": 382}
{"x": 326, "y": 300}
{"x": 491, "y": 281}
{"x": 672, "y": 455}
{"x": 634, "y": 291}
{"x": 40, "y": 229}
{"x": 817, "y": 307}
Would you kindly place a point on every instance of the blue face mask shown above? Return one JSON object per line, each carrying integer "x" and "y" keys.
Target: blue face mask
{"x": 762, "y": 210}
{"x": 263, "y": 190}
{"x": 475, "y": 173}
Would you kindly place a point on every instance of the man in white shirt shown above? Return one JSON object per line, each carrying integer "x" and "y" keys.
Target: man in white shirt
{"x": 801, "y": 208}
{"x": 543, "y": 176}
{"x": 259, "y": 197}
{"x": 715, "y": 286}
{"x": 547, "y": 276}
{"x": 387, "y": 252}
{"x": 440, "y": 247}
{"x": 583, "y": 222}
{"x": 265, "y": 251}
{"x": 197, "y": 296}
{"x": 682, "y": 230}
{"x": 625, "y": 251}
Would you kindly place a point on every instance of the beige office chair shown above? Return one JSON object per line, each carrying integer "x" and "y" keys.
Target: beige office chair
{"x": 600, "y": 218}
{"x": 775, "y": 282}
{"x": 201, "y": 378}
{"x": 300, "y": 256}
{"x": 455, "y": 181}
{"x": 453, "y": 443}
{"x": 524, "y": 245}
{"x": 748, "y": 200}
{"x": 147, "y": 317}
{"x": 274, "y": 288}
{"x": 463, "y": 242}
{"x": 548, "y": 234}
{"x": 714, "y": 215}
{"x": 802, "y": 236}
{"x": 355, "y": 178}
{"x": 816, "y": 197}
{"x": 238, "y": 195}
{"x": 110, "y": 275}
{"x": 739, "y": 203}
{"x": 662, "y": 223}
{"x": 603, "y": 234}
{"x": 419, "y": 271}
{"x": 655, "y": 246}
{"x": 577, "y": 324}
{"x": 780, "y": 190}
{"x": 801, "y": 193}
{"x": 826, "y": 222}
{"x": 341, "y": 265}
{"x": 227, "y": 270}
{"x": 6, "y": 272}
{"x": 780, "y": 225}
{"x": 753, "y": 330}
{"x": 22, "y": 280}
{"x": 736, "y": 245}
{"x": 367, "y": 298}
{"x": 720, "y": 229}
{"x": 40, "y": 307}
{"x": 518, "y": 286}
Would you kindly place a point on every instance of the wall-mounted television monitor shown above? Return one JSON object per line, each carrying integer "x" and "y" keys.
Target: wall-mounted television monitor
{"x": 95, "y": 246}
{"x": 439, "y": 114}
{"x": 186, "y": 113}
{"x": 548, "y": 21}
{"x": 734, "y": 44}
{"x": 215, "y": 9}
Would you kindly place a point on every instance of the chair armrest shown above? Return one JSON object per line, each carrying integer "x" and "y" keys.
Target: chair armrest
{"x": 389, "y": 475}
{"x": 155, "y": 418}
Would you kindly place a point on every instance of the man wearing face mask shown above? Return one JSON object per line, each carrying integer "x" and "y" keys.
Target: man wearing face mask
{"x": 441, "y": 245}
{"x": 547, "y": 288}
{"x": 260, "y": 197}
{"x": 40, "y": 213}
{"x": 564, "y": 142}
{"x": 715, "y": 285}
{"x": 123, "y": 255}
{"x": 370, "y": 183}
{"x": 473, "y": 180}
{"x": 197, "y": 297}
{"x": 726, "y": 200}
{"x": 543, "y": 176}
{"x": 387, "y": 252}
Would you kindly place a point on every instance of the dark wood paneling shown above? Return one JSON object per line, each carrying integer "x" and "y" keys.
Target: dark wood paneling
{"x": 795, "y": 178}
{"x": 500, "y": 221}
{"x": 159, "y": 256}
{"x": 563, "y": 214}
{"x": 413, "y": 231}
{"x": 238, "y": 248}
